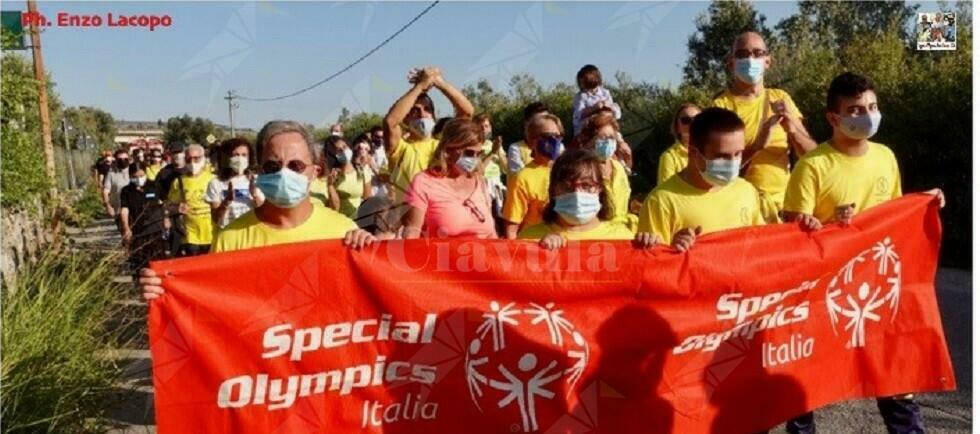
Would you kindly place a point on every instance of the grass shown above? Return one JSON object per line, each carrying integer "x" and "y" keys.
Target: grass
{"x": 84, "y": 209}
{"x": 56, "y": 329}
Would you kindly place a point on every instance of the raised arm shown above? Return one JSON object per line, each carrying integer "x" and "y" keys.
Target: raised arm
{"x": 461, "y": 104}
{"x": 398, "y": 111}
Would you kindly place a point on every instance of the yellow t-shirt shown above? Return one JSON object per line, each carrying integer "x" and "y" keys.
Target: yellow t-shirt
{"x": 618, "y": 193}
{"x": 406, "y": 160}
{"x": 350, "y": 189}
{"x": 152, "y": 171}
{"x": 769, "y": 169}
{"x": 527, "y": 195}
{"x": 672, "y": 161}
{"x": 826, "y": 178}
{"x": 248, "y": 232}
{"x": 197, "y": 221}
{"x": 319, "y": 193}
{"x": 607, "y": 230}
{"x": 675, "y": 205}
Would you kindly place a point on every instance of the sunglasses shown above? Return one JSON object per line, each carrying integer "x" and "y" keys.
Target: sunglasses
{"x": 686, "y": 120}
{"x": 476, "y": 211}
{"x": 272, "y": 166}
{"x": 756, "y": 53}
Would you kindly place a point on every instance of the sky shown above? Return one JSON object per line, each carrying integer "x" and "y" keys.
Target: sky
{"x": 264, "y": 49}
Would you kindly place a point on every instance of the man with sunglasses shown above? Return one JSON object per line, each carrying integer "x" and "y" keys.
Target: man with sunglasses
{"x": 527, "y": 191}
{"x": 773, "y": 123}
{"x": 186, "y": 199}
{"x": 286, "y": 159}
{"x": 708, "y": 195}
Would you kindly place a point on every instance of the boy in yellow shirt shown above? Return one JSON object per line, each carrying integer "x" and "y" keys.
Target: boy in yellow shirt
{"x": 707, "y": 196}
{"x": 772, "y": 121}
{"x": 843, "y": 176}
{"x": 410, "y": 154}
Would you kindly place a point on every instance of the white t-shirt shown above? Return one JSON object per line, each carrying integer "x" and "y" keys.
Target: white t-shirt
{"x": 218, "y": 191}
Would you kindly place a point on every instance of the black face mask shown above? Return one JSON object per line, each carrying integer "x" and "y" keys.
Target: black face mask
{"x": 122, "y": 164}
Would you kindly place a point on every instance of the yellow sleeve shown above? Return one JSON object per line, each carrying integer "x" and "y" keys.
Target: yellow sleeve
{"x": 396, "y": 153}
{"x": 790, "y": 105}
{"x": 654, "y": 218}
{"x": 515, "y": 204}
{"x": 665, "y": 169}
{"x": 535, "y": 232}
{"x": 801, "y": 192}
{"x": 897, "y": 176}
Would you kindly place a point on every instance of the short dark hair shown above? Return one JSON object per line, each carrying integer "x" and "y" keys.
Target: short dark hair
{"x": 330, "y": 151}
{"x": 534, "y": 108}
{"x": 588, "y": 77}
{"x": 120, "y": 151}
{"x": 426, "y": 102}
{"x": 377, "y": 129}
{"x": 225, "y": 149}
{"x": 713, "y": 120}
{"x": 847, "y": 85}
{"x": 482, "y": 117}
{"x": 567, "y": 167}
{"x": 176, "y": 147}
{"x": 135, "y": 167}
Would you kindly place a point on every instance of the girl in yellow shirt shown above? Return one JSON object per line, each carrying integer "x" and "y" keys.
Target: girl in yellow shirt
{"x": 577, "y": 209}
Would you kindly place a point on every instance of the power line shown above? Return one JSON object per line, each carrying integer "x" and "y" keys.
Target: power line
{"x": 348, "y": 67}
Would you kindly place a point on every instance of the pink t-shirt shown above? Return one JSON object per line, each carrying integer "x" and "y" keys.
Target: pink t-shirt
{"x": 451, "y": 214}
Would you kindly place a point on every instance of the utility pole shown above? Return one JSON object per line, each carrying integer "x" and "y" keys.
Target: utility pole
{"x": 232, "y": 105}
{"x": 42, "y": 98}
{"x": 68, "y": 156}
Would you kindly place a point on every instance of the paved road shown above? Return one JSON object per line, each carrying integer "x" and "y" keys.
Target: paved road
{"x": 945, "y": 413}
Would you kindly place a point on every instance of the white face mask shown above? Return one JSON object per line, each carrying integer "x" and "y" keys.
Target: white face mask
{"x": 197, "y": 167}
{"x": 238, "y": 163}
{"x": 860, "y": 127}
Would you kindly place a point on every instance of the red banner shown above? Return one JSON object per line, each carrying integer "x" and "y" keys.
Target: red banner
{"x": 749, "y": 328}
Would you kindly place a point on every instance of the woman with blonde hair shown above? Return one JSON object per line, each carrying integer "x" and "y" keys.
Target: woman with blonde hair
{"x": 601, "y": 135}
{"x": 451, "y": 199}
{"x": 674, "y": 159}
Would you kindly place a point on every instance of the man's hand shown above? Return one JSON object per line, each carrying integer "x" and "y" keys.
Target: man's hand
{"x": 127, "y": 236}
{"x": 110, "y": 211}
{"x": 646, "y": 240}
{"x": 183, "y": 208}
{"x": 150, "y": 284}
{"x": 844, "y": 213}
{"x": 684, "y": 239}
{"x": 552, "y": 242}
{"x": 808, "y": 222}
{"x": 357, "y": 238}
{"x": 939, "y": 196}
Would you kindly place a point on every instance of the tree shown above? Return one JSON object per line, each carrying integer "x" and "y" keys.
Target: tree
{"x": 190, "y": 130}
{"x": 716, "y": 29}
{"x": 841, "y": 22}
{"x": 94, "y": 122}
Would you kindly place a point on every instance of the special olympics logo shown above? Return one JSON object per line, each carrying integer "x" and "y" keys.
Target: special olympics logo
{"x": 521, "y": 376}
{"x": 862, "y": 287}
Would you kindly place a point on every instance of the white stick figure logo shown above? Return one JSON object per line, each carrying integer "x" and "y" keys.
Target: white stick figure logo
{"x": 483, "y": 371}
{"x": 870, "y": 283}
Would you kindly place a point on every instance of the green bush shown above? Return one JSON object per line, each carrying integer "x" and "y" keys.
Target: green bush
{"x": 55, "y": 376}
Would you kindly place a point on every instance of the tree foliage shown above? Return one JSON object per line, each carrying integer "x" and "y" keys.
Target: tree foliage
{"x": 190, "y": 130}
{"x": 712, "y": 40}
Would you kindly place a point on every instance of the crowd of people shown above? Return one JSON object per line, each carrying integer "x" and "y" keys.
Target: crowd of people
{"x": 418, "y": 175}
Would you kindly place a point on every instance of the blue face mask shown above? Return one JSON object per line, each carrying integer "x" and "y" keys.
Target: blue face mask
{"x": 285, "y": 188}
{"x": 605, "y": 148}
{"x": 750, "y": 70}
{"x": 578, "y": 207}
{"x": 720, "y": 171}
{"x": 862, "y": 126}
{"x": 550, "y": 147}
{"x": 424, "y": 126}
{"x": 467, "y": 164}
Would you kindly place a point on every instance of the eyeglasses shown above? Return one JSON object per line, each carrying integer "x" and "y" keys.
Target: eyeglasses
{"x": 583, "y": 186}
{"x": 686, "y": 120}
{"x": 756, "y": 53}
{"x": 476, "y": 211}
{"x": 272, "y": 166}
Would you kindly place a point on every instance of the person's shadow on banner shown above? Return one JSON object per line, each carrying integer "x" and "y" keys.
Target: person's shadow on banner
{"x": 620, "y": 395}
{"x": 747, "y": 397}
